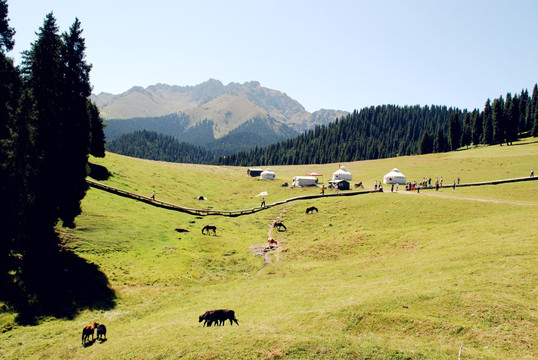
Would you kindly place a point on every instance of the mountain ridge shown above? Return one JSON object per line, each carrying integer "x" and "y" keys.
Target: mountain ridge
{"x": 163, "y": 99}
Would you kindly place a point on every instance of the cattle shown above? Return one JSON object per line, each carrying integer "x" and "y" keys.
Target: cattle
{"x": 87, "y": 331}
{"x": 209, "y": 229}
{"x": 218, "y": 317}
{"x": 101, "y": 332}
{"x": 311, "y": 209}
{"x": 280, "y": 226}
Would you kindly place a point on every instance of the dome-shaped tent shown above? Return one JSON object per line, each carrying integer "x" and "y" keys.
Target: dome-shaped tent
{"x": 268, "y": 175}
{"x": 341, "y": 174}
{"x": 394, "y": 177}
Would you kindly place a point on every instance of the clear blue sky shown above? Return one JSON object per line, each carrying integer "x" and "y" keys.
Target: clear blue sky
{"x": 325, "y": 54}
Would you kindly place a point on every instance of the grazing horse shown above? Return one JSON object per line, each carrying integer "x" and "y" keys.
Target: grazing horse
{"x": 218, "y": 317}
{"x": 101, "y": 332}
{"x": 279, "y": 226}
{"x": 272, "y": 242}
{"x": 87, "y": 331}
{"x": 359, "y": 185}
{"x": 209, "y": 228}
{"x": 311, "y": 209}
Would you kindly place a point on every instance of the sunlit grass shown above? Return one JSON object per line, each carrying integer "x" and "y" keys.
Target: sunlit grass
{"x": 377, "y": 276}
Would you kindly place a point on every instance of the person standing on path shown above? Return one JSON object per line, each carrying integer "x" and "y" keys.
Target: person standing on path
{"x": 263, "y": 202}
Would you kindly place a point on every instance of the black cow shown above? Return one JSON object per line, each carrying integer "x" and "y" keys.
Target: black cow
{"x": 218, "y": 317}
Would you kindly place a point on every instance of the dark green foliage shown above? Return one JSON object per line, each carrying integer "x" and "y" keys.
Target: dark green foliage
{"x": 150, "y": 145}
{"x": 477, "y": 128}
{"x": 44, "y": 144}
{"x": 440, "y": 142}
{"x": 6, "y": 32}
{"x": 487, "y": 135}
{"x": 498, "y": 120}
{"x": 454, "y": 131}
{"x": 426, "y": 144}
{"x": 97, "y": 134}
{"x": 466, "y": 137}
{"x": 374, "y": 132}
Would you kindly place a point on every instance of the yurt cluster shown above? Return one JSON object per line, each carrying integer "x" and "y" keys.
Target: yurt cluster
{"x": 340, "y": 178}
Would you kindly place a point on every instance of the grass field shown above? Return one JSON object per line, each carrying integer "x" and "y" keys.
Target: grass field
{"x": 375, "y": 276}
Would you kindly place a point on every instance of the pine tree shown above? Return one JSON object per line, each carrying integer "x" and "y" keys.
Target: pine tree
{"x": 97, "y": 135}
{"x": 454, "y": 132}
{"x": 477, "y": 128}
{"x": 498, "y": 120}
{"x": 487, "y": 136}
{"x": 512, "y": 119}
{"x": 425, "y": 144}
{"x": 466, "y": 133}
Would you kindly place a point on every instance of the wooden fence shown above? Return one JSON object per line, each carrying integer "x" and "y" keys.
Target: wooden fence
{"x": 205, "y": 212}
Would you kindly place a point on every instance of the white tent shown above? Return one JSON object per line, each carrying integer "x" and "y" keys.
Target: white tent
{"x": 304, "y": 181}
{"x": 341, "y": 174}
{"x": 394, "y": 177}
{"x": 268, "y": 175}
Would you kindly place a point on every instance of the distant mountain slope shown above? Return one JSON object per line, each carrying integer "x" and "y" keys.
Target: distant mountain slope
{"x": 226, "y": 105}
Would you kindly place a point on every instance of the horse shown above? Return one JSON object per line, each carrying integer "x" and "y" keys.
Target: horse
{"x": 272, "y": 242}
{"x": 87, "y": 331}
{"x": 359, "y": 185}
{"x": 311, "y": 209}
{"x": 101, "y": 332}
{"x": 209, "y": 228}
{"x": 279, "y": 226}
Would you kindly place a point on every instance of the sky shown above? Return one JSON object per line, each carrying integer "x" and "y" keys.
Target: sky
{"x": 338, "y": 54}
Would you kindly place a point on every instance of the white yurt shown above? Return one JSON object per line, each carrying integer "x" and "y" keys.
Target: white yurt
{"x": 303, "y": 181}
{"x": 268, "y": 175}
{"x": 341, "y": 174}
{"x": 394, "y": 177}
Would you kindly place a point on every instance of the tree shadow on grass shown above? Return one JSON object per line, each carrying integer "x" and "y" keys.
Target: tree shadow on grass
{"x": 98, "y": 172}
{"x": 59, "y": 284}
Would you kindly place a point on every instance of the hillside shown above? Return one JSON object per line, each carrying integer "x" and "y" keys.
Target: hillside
{"x": 378, "y": 276}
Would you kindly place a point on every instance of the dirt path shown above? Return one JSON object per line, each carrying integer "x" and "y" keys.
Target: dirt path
{"x": 494, "y": 201}
{"x": 267, "y": 249}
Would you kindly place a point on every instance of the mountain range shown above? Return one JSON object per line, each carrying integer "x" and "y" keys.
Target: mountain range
{"x": 223, "y": 118}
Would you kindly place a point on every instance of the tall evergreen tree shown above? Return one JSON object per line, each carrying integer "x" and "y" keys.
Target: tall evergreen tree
{"x": 75, "y": 125}
{"x": 440, "y": 143}
{"x": 477, "y": 128}
{"x": 466, "y": 133}
{"x": 487, "y": 136}
{"x": 454, "y": 130}
{"x": 512, "y": 119}
{"x": 426, "y": 143}
{"x": 523, "y": 101}
{"x": 498, "y": 119}
{"x": 533, "y": 110}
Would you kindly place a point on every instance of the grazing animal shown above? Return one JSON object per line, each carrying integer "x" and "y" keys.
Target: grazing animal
{"x": 101, "y": 332}
{"x": 209, "y": 229}
{"x": 359, "y": 185}
{"x": 280, "y": 226}
{"x": 218, "y": 317}
{"x": 87, "y": 331}
{"x": 311, "y": 209}
{"x": 272, "y": 242}
{"x": 181, "y": 230}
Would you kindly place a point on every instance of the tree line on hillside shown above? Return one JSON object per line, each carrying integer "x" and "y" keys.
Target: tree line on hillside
{"x": 150, "y": 145}
{"x": 390, "y": 130}
{"x": 48, "y": 127}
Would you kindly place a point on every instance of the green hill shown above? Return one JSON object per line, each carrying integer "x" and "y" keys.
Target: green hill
{"x": 375, "y": 276}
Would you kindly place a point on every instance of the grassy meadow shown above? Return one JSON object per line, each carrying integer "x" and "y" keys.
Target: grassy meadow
{"x": 374, "y": 276}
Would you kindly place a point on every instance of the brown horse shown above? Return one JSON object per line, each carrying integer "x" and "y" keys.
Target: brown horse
{"x": 209, "y": 229}
{"x": 87, "y": 331}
